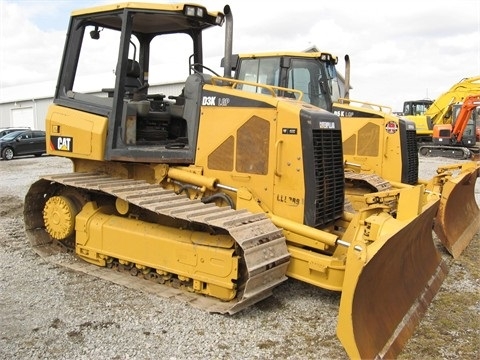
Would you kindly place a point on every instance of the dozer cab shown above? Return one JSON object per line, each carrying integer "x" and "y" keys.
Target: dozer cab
{"x": 416, "y": 107}
{"x": 217, "y": 192}
{"x": 415, "y": 110}
{"x": 379, "y": 148}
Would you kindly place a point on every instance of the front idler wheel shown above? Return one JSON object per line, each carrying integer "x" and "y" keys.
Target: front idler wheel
{"x": 59, "y": 217}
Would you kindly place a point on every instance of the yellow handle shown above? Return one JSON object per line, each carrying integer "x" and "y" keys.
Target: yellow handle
{"x": 278, "y": 148}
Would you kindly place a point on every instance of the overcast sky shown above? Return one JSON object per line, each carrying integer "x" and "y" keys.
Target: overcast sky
{"x": 399, "y": 50}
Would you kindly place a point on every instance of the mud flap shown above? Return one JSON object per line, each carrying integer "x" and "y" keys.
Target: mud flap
{"x": 388, "y": 287}
{"x": 458, "y": 217}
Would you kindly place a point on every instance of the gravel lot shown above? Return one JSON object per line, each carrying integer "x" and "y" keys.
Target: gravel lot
{"x": 47, "y": 311}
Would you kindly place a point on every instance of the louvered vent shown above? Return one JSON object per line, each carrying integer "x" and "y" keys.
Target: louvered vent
{"x": 409, "y": 152}
{"x": 328, "y": 176}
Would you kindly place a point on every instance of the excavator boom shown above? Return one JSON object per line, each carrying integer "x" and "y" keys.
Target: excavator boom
{"x": 470, "y": 103}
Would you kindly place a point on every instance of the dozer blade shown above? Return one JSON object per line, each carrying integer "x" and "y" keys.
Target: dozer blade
{"x": 458, "y": 217}
{"x": 388, "y": 287}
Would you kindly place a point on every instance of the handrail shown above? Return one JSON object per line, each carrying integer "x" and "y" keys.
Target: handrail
{"x": 271, "y": 89}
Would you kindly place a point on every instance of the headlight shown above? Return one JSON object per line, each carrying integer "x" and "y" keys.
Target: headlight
{"x": 194, "y": 11}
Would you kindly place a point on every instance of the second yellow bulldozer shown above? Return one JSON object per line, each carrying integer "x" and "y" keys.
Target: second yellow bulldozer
{"x": 379, "y": 148}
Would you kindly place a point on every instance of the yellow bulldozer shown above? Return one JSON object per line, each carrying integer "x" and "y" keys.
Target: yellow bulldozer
{"x": 217, "y": 191}
{"x": 379, "y": 148}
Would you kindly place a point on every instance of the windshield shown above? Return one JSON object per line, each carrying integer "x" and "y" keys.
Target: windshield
{"x": 318, "y": 80}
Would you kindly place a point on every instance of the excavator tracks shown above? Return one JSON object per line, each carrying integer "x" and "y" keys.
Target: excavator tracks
{"x": 265, "y": 254}
{"x": 451, "y": 152}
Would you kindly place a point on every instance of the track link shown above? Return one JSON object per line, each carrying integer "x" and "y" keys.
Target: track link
{"x": 376, "y": 182}
{"x": 263, "y": 245}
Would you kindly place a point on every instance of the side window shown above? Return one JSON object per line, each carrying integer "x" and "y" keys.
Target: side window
{"x": 98, "y": 60}
{"x": 168, "y": 58}
{"x": 262, "y": 71}
{"x": 299, "y": 79}
{"x": 305, "y": 75}
{"x": 249, "y": 72}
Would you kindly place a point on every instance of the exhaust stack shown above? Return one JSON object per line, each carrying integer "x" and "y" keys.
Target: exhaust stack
{"x": 347, "y": 77}
{"x": 227, "y": 68}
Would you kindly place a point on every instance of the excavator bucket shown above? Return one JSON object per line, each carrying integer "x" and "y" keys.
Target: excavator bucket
{"x": 388, "y": 286}
{"x": 458, "y": 217}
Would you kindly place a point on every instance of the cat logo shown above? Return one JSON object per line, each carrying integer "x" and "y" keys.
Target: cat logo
{"x": 62, "y": 143}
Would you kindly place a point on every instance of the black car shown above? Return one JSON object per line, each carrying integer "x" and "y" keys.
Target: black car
{"x": 26, "y": 142}
{"x": 8, "y": 130}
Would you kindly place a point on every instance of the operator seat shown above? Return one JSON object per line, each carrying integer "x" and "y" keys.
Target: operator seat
{"x": 132, "y": 80}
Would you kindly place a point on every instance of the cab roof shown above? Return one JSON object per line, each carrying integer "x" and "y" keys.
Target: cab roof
{"x": 152, "y": 17}
{"x": 303, "y": 54}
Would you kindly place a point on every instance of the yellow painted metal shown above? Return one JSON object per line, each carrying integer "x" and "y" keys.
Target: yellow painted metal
{"x": 309, "y": 258}
{"x": 136, "y": 5}
{"x": 368, "y": 144}
{"x": 122, "y": 206}
{"x": 388, "y": 284}
{"x": 192, "y": 178}
{"x": 189, "y": 254}
{"x": 315, "y": 268}
{"x": 317, "y": 238}
{"x": 252, "y": 157}
{"x": 59, "y": 217}
{"x": 86, "y": 133}
{"x": 458, "y": 217}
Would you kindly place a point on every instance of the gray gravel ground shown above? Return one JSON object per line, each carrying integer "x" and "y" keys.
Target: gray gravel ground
{"x": 49, "y": 312}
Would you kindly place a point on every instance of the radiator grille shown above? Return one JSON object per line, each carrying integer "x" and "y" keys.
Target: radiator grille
{"x": 410, "y": 158}
{"x": 328, "y": 175}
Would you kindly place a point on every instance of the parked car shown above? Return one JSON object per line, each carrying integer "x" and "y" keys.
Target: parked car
{"x": 7, "y": 130}
{"x": 25, "y": 142}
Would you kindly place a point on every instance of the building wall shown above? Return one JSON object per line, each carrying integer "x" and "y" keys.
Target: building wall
{"x": 24, "y": 113}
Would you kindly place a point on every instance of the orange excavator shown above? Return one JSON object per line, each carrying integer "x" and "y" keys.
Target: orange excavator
{"x": 458, "y": 139}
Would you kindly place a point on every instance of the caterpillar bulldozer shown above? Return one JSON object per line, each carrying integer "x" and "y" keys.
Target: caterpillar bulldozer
{"x": 216, "y": 192}
{"x": 427, "y": 113}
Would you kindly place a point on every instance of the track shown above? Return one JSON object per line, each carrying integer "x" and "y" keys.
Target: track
{"x": 263, "y": 245}
{"x": 451, "y": 152}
